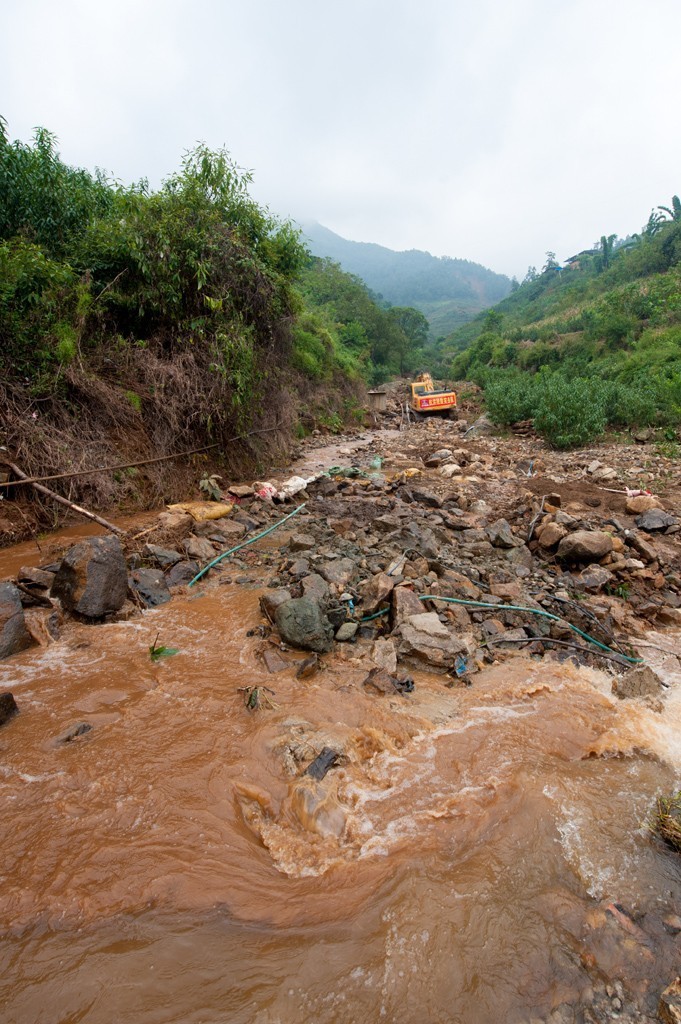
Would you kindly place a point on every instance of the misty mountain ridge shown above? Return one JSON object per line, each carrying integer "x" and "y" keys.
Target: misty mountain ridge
{"x": 448, "y": 291}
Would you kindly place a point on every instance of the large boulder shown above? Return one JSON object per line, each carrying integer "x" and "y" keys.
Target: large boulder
{"x": 585, "y": 546}
{"x": 302, "y": 623}
{"x": 14, "y": 636}
{"x": 92, "y": 579}
{"x": 424, "y": 639}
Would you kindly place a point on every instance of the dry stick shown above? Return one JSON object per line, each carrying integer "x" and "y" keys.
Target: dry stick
{"x": 63, "y": 501}
{"x": 561, "y": 643}
{"x": 128, "y": 465}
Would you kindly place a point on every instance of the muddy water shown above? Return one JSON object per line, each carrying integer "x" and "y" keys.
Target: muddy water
{"x": 172, "y": 866}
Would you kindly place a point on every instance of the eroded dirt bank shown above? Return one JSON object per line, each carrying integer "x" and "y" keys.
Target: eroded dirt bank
{"x": 479, "y": 853}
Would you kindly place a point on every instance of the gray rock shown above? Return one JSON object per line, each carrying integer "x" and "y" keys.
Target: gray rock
{"x": 199, "y": 548}
{"x": 340, "y": 570}
{"x": 384, "y": 654}
{"x": 302, "y": 542}
{"x": 585, "y": 546}
{"x": 383, "y": 682}
{"x": 245, "y": 520}
{"x": 643, "y": 435}
{"x": 594, "y": 577}
{"x": 37, "y": 577}
{"x": 316, "y": 587}
{"x": 222, "y": 531}
{"x": 640, "y": 681}
{"x": 14, "y": 636}
{"x": 439, "y": 456}
{"x": 501, "y": 536}
{"x": 423, "y": 638}
{"x": 521, "y": 557}
{"x": 422, "y": 539}
{"x": 404, "y": 603}
{"x": 483, "y": 427}
{"x": 182, "y": 572}
{"x": 386, "y": 524}
{"x": 162, "y": 556}
{"x": 551, "y": 535}
{"x": 644, "y": 547}
{"x": 241, "y": 491}
{"x": 427, "y": 498}
{"x": 655, "y": 519}
{"x": 72, "y": 733}
{"x": 92, "y": 579}
{"x": 299, "y": 567}
{"x": 347, "y": 631}
{"x": 270, "y": 601}
{"x": 302, "y": 623}
{"x": 8, "y": 707}
{"x": 151, "y": 586}
{"x": 376, "y": 592}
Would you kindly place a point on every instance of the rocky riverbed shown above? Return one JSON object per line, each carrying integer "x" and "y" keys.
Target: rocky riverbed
{"x": 438, "y": 585}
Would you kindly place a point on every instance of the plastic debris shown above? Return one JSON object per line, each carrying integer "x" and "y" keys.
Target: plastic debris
{"x": 265, "y": 490}
{"x": 293, "y": 486}
{"x": 348, "y": 471}
{"x": 201, "y": 511}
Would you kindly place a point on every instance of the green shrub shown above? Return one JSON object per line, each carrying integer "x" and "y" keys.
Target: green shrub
{"x": 135, "y": 400}
{"x": 629, "y": 405}
{"x": 570, "y": 412}
{"x": 309, "y": 354}
{"x": 510, "y": 398}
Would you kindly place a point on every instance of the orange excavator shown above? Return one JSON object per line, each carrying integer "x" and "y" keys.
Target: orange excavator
{"x": 427, "y": 399}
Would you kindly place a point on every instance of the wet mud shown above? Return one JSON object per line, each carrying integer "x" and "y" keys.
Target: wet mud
{"x": 477, "y": 854}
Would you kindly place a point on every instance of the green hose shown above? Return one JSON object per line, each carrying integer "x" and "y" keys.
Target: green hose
{"x": 532, "y": 611}
{"x": 516, "y": 608}
{"x": 251, "y": 540}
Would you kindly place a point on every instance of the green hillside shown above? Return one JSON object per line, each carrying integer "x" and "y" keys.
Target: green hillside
{"x": 605, "y": 327}
{"x": 449, "y": 292}
{"x": 137, "y": 321}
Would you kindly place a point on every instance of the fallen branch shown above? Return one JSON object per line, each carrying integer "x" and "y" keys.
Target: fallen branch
{"x": 127, "y": 465}
{"x": 618, "y": 659}
{"x": 63, "y": 501}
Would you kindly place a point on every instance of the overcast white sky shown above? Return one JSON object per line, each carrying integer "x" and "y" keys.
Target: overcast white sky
{"x": 491, "y": 130}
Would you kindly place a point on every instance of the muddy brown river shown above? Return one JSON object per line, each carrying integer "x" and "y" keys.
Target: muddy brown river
{"x": 480, "y": 855}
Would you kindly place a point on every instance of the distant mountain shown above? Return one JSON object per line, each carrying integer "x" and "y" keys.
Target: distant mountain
{"x": 449, "y": 292}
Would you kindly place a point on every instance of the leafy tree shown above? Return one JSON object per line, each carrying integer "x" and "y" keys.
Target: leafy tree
{"x": 673, "y": 212}
{"x": 606, "y": 249}
{"x": 414, "y": 328}
{"x": 551, "y": 263}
